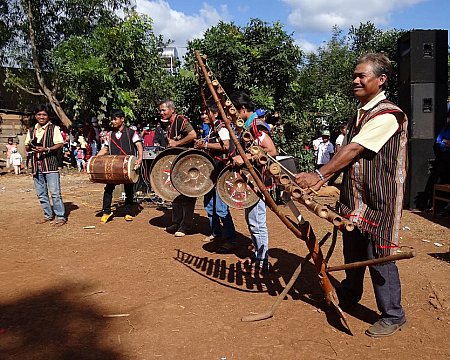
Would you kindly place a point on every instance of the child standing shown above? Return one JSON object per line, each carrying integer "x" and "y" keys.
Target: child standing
{"x": 16, "y": 160}
{"x": 79, "y": 156}
{"x": 9, "y": 146}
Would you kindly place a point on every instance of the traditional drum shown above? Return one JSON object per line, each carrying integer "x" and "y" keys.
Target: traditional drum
{"x": 160, "y": 174}
{"x": 112, "y": 169}
{"x": 193, "y": 173}
{"x": 237, "y": 189}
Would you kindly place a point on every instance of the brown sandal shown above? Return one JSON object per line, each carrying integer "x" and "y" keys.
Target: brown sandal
{"x": 43, "y": 221}
{"x": 59, "y": 222}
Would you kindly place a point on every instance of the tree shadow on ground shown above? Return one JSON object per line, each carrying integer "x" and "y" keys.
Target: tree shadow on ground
{"x": 56, "y": 323}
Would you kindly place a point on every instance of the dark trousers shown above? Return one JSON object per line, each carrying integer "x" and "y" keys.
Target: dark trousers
{"x": 385, "y": 278}
{"x": 183, "y": 212}
{"x": 108, "y": 195}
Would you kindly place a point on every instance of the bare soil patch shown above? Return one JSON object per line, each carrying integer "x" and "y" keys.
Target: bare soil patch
{"x": 131, "y": 291}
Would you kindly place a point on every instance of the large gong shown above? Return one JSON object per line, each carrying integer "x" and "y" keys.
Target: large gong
{"x": 237, "y": 188}
{"x": 160, "y": 174}
{"x": 193, "y": 173}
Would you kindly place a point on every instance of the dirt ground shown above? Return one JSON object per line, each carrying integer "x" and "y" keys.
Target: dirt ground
{"x": 132, "y": 291}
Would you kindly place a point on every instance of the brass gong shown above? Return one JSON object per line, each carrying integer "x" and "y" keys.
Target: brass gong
{"x": 193, "y": 173}
{"x": 160, "y": 174}
{"x": 237, "y": 188}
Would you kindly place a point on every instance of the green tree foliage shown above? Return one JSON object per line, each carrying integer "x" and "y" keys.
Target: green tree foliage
{"x": 322, "y": 95}
{"x": 37, "y": 27}
{"x": 367, "y": 38}
{"x": 260, "y": 57}
{"x": 116, "y": 66}
{"x": 311, "y": 91}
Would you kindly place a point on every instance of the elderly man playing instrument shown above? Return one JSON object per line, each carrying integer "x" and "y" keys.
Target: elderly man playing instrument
{"x": 374, "y": 163}
{"x": 179, "y": 133}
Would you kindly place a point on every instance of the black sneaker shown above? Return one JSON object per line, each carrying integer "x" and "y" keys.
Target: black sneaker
{"x": 172, "y": 228}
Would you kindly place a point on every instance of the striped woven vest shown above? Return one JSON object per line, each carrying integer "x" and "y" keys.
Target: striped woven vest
{"x": 48, "y": 161}
{"x": 373, "y": 185}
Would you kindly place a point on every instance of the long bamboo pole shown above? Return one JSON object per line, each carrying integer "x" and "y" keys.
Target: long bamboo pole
{"x": 307, "y": 233}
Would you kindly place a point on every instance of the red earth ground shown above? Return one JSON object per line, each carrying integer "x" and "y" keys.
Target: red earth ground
{"x": 132, "y": 291}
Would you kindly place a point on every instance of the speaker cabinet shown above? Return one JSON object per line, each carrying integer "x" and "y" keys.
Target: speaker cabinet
{"x": 421, "y": 155}
{"x": 426, "y": 107}
{"x": 423, "y": 56}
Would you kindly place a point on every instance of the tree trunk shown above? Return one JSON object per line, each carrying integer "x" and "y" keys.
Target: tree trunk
{"x": 38, "y": 71}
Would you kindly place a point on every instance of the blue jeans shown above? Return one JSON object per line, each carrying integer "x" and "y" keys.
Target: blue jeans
{"x": 257, "y": 225}
{"x": 43, "y": 183}
{"x": 218, "y": 212}
{"x": 385, "y": 277}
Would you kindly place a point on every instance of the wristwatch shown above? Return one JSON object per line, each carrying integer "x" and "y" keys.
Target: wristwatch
{"x": 48, "y": 150}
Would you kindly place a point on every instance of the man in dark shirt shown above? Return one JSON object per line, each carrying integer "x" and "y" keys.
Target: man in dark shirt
{"x": 180, "y": 133}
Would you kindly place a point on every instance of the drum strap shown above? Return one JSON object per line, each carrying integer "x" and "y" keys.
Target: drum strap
{"x": 118, "y": 146}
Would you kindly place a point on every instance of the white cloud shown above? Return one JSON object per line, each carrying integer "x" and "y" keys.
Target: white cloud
{"x": 306, "y": 46}
{"x": 178, "y": 26}
{"x": 322, "y": 15}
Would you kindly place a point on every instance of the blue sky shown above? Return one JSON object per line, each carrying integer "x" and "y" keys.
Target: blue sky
{"x": 310, "y": 21}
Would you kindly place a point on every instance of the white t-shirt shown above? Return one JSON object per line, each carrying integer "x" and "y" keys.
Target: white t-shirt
{"x": 316, "y": 143}
{"x": 324, "y": 152}
{"x": 224, "y": 134}
{"x": 339, "y": 140}
{"x": 118, "y": 135}
{"x": 16, "y": 158}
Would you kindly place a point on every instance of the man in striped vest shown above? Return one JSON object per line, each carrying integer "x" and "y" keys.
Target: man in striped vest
{"x": 121, "y": 141}
{"x": 374, "y": 162}
{"x": 44, "y": 140}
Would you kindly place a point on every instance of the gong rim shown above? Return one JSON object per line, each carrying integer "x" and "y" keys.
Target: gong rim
{"x": 235, "y": 188}
{"x": 193, "y": 173}
{"x": 161, "y": 168}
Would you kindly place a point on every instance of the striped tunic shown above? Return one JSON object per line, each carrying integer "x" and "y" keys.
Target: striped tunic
{"x": 373, "y": 185}
{"x": 47, "y": 162}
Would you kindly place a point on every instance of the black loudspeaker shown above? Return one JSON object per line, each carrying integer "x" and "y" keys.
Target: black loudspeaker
{"x": 425, "y": 104}
{"x": 423, "y": 56}
{"x": 423, "y": 96}
{"x": 421, "y": 155}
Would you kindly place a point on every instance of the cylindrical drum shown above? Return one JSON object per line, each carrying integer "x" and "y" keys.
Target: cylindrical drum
{"x": 112, "y": 169}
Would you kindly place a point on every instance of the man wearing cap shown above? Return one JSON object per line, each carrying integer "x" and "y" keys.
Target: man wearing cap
{"x": 325, "y": 150}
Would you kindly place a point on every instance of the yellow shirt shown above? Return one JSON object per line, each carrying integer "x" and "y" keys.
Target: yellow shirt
{"x": 40, "y": 130}
{"x": 375, "y": 133}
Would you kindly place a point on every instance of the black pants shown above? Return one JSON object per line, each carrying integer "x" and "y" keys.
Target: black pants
{"x": 183, "y": 212}
{"x": 385, "y": 277}
{"x": 108, "y": 195}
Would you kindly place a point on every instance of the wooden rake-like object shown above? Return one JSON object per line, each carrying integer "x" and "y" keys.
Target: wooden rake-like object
{"x": 302, "y": 231}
